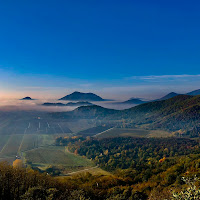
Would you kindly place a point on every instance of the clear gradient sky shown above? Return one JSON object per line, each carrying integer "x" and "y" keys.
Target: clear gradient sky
{"x": 115, "y": 48}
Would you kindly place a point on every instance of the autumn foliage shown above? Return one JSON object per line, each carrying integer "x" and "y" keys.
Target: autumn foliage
{"x": 18, "y": 163}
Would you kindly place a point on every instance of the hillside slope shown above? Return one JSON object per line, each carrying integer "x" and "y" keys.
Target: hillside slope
{"x": 195, "y": 92}
{"x": 179, "y": 114}
{"x": 168, "y": 96}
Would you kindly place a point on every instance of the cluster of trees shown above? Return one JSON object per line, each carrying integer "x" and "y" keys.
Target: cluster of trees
{"x": 21, "y": 184}
{"x": 26, "y": 184}
{"x": 64, "y": 141}
{"x": 129, "y": 152}
{"x": 146, "y": 166}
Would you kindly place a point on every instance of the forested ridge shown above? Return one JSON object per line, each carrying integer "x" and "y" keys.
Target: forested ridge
{"x": 180, "y": 112}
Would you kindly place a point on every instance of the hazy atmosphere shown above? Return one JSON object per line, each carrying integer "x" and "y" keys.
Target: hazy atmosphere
{"x": 99, "y": 100}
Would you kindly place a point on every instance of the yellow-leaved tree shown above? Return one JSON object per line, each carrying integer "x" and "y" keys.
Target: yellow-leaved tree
{"x": 18, "y": 163}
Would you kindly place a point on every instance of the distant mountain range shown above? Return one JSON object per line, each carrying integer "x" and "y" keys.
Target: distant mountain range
{"x": 81, "y": 103}
{"x": 80, "y": 96}
{"x": 173, "y": 94}
{"x": 27, "y": 98}
{"x": 138, "y": 101}
{"x": 179, "y": 114}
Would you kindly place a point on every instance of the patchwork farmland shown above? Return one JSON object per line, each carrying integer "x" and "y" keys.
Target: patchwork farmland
{"x": 30, "y": 136}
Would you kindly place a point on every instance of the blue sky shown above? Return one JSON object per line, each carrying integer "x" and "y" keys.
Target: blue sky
{"x": 120, "y": 48}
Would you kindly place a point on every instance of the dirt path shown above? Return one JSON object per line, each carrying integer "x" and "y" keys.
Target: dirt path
{"x": 103, "y": 132}
{"x": 83, "y": 170}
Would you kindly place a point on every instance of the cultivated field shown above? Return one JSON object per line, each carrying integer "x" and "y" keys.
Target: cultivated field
{"x": 159, "y": 133}
{"x": 45, "y": 140}
{"x": 55, "y": 155}
{"x": 11, "y": 147}
{"x": 14, "y": 145}
{"x": 29, "y": 142}
{"x": 116, "y": 132}
{"x": 3, "y": 140}
{"x": 124, "y": 132}
{"x": 31, "y": 135}
{"x": 58, "y": 157}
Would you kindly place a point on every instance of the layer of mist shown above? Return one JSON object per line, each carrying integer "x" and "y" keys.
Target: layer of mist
{"x": 14, "y": 105}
